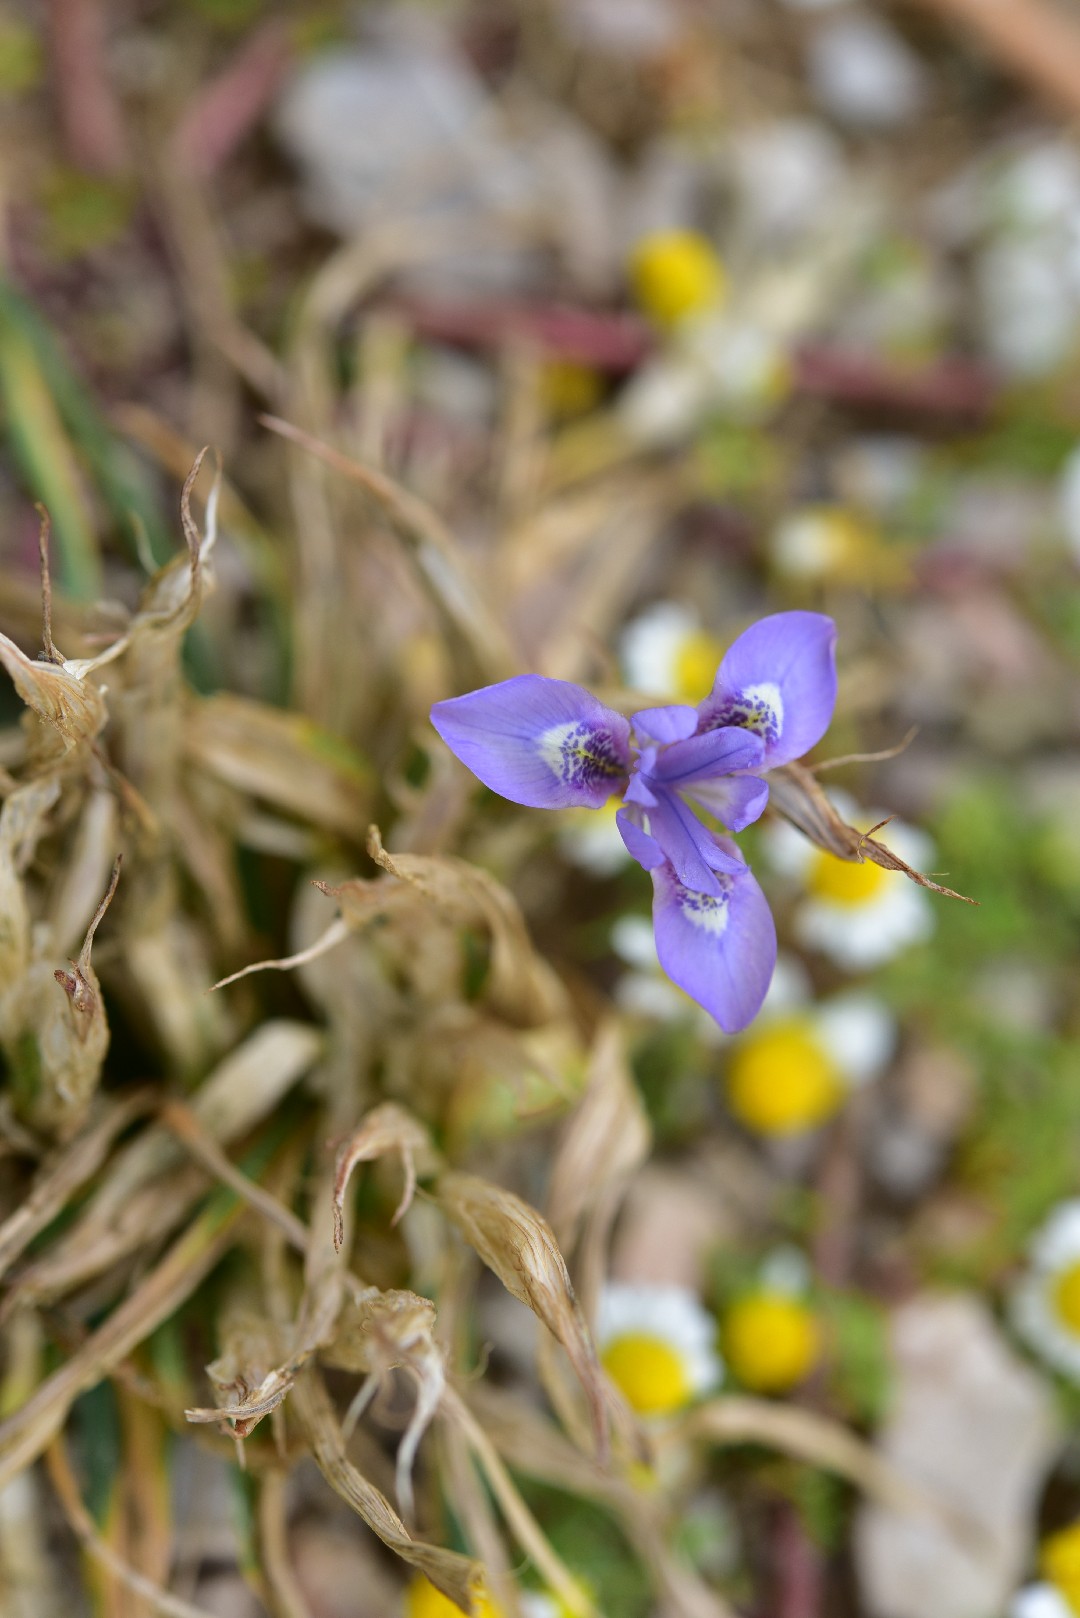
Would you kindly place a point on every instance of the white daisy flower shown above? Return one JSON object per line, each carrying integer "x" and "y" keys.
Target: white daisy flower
{"x": 1046, "y": 1302}
{"x": 801, "y": 1059}
{"x": 665, "y": 652}
{"x": 658, "y": 1345}
{"x": 855, "y": 912}
{"x": 814, "y": 542}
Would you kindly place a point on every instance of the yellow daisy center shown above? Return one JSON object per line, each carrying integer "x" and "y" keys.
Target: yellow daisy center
{"x": 675, "y": 273}
{"x": 696, "y": 663}
{"x": 1059, "y": 1561}
{"x": 845, "y": 882}
{"x": 650, "y": 1373}
{"x": 423, "y": 1600}
{"x": 771, "y": 1341}
{"x": 1067, "y": 1300}
{"x": 782, "y": 1080}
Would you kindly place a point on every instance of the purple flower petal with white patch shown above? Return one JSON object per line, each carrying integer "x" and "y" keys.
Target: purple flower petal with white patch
{"x": 543, "y": 743}
{"x": 779, "y": 680}
{"x": 719, "y": 948}
{"x": 736, "y": 800}
{"x": 672, "y": 723}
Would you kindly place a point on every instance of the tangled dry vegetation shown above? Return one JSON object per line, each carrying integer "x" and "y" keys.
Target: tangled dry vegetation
{"x": 207, "y": 1215}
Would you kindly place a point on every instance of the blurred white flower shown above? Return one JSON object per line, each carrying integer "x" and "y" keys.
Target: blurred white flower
{"x": 665, "y": 652}
{"x": 864, "y": 73}
{"x": 589, "y": 839}
{"x": 658, "y": 1345}
{"x": 1046, "y": 1301}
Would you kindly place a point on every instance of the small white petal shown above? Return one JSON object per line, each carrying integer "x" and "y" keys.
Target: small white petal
{"x": 859, "y": 1032}
{"x": 650, "y": 647}
{"x": 785, "y": 1269}
{"x": 1040, "y": 1601}
{"x": 789, "y": 989}
{"x": 1057, "y": 1242}
{"x": 633, "y": 940}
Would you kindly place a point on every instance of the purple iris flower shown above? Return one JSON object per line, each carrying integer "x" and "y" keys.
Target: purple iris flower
{"x": 551, "y": 745}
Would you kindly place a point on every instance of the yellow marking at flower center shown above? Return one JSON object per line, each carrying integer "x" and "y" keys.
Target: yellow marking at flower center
{"x": 696, "y": 663}
{"x": 650, "y": 1373}
{"x": 1059, "y": 1561}
{"x": 782, "y": 1080}
{"x": 770, "y": 1341}
{"x": 1067, "y": 1301}
{"x": 845, "y": 882}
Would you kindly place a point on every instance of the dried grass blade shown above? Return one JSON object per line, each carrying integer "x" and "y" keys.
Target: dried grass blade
{"x": 456, "y": 1576}
{"x": 520, "y": 986}
{"x": 798, "y": 797}
{"x": 431, "y": 548}
{"x": 82, "y": 1526}
{"x": 64, "y": 1174}
{"x": 530, "y": 1536}
{"x": 804, "y": 1434}
{"x": 26, "y": 1433}
{"x": 606, "y": 1139}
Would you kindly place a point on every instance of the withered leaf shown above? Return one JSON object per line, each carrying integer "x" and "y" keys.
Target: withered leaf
{"x": 795, "y": 793}
{"x": 386, "y": 1128}
{"x": 520, "y": 986}
{"x": 519, "y": 1245}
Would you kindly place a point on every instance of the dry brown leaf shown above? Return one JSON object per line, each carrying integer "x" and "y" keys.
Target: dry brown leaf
{"x": 67, "y": 702}
{"x": 795, "y": 794}
{"x": 520, "y": 986}
{"x": 21, "y": 823}
{"x": 457, "y": 1577}
{"x": 386, "y": 1128}
{"x": 56, "y": 1046}
{"x": 518, "y": 1244}
{"x": 247, "y": 1378}
{"x": 60, "y": 1177}
{"x": 433, "y": 552}
{"x": 145, "y": 1195}
{"x": 281, "y": 758}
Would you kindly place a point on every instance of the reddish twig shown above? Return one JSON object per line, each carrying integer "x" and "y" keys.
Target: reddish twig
{"x": 230, "y": 106}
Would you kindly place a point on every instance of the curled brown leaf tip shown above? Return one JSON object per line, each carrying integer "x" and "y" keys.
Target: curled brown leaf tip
{"x": 796, "y": 795}
{"x": 387, "y": 1128}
